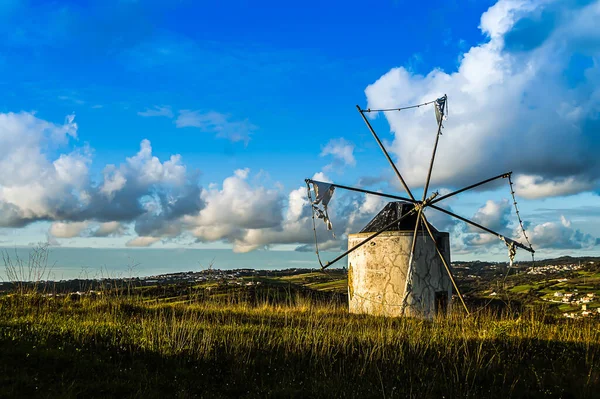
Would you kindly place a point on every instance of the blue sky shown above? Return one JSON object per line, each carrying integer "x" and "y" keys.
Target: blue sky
{"x": 251, "y": 98}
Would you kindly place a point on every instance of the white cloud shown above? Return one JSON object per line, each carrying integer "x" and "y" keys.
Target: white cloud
{"x": 150, "y": 170}
{"x": 214, "y": 122}
{"x": 31, "y": 185}
{"x": 217, "y": 123}
{"x": 163, "y": 201}
{"x": 234, "y": 209}
{"x": 545, "y": 236}
{"x": 342, "y": 151}
{"x": 157, "y": 111}
{"x": 38, "y": 185}
{"x": 512, "y": 107}
{"x": 560, "y": 235}
{"x": 114, "y": 180}
{"x": 251, "y": 216}
{"x": 517, "y": 102}
{"x": 361, "y": 210}
{"x": 109, "y": 229}
{"x": 67, "y": 230}
{"x": 142, "y": 241}
{"x": 321, "y": 176}
{"x": 439, "y": 220}
{"x": 532, "y": 187}
{"x": 501, "y": 17}
{"x": 494, "y": 215}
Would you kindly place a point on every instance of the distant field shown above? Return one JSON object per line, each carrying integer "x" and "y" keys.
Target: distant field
{"x": 289, "y": 336}
{"x": 580, "y": 282}
{"x": 332, "y": 281}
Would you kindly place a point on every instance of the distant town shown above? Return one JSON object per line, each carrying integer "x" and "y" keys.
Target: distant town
{"x": 570, "y": 286}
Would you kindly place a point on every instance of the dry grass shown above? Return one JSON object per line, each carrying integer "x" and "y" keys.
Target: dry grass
{"x": 302, "y": 347}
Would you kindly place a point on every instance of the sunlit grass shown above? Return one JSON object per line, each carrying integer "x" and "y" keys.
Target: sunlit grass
{"x": 297, "y": 346}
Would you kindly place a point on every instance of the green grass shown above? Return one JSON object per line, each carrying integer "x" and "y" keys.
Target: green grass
{"x": 567, "y": 307}
{"x": 338, "y": 286}
{"x": 332, "y": 281}
{"x": 522, "y": 288}
{"x": 298, "y": 346}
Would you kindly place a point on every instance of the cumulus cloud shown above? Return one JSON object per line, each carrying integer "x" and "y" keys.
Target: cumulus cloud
{"x": 498, "y": 216}
{"x": 234, "y": 209}
{"x": 35, "y": 186}
{"x": 151, "y": 170}
{"x": 250, "y": 216}
{"x": 560, "y": 235}
{"x": 215, "y": 122}
{"x": 494, "y": 215}
{"x": 439, "y": 220}
{"x": 342, "y": 152}
{"x": 161, "y": 199}
{"x": 86, "y": 229}
{"x": 525, "y": 100}
{"x": 532, "y": 187}
{"x": 142, "y": 241}
{"x": 109, "y": 229}
{"x": 114, "y": 180}
{"x": 67, "y": 230}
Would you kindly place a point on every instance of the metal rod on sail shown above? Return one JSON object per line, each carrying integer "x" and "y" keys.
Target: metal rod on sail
{"x": 518, "y": 244}
{"x": 437, "y": 139}
{"x": 385, "y": 153}
{"x": 443, "y": 197}
{"x": 369, "y": 238}
{"x": 360, "y": 190}
{"x": 445, "y": 264}
{"x": 408, "y": 282}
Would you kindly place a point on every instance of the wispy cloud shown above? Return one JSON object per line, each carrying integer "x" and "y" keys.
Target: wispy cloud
{"x": 157, "y": 111}
{"x": 215, "y": 122}
{"x": 222, "y": 125}
{"x": 71, "y": 99}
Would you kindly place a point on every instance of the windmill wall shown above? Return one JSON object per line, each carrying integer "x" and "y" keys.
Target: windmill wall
{"x": 377, "y": 275}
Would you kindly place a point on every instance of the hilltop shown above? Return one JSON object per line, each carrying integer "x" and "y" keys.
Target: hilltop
{"x": 257, "y": 333}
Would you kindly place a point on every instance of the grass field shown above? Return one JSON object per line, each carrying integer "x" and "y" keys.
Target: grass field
{"x": 288, "y": 344}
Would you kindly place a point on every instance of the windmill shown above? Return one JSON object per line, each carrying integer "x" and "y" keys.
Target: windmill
{"x": 402, "y": 227}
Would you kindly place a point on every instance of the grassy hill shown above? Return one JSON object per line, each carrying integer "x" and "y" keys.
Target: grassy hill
{"x": 289, "y": 336}
{"x": 288, "y": 333}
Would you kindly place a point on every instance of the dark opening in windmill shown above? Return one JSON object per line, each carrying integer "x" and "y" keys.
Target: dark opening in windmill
{"x": 399, "y": 264}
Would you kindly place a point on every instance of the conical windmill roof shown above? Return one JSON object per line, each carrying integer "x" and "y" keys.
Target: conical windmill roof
{"x": 393, "y": 211}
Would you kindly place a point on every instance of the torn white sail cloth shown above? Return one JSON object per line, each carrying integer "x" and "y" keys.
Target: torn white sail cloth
{"x": 441, "y": 109}
{"x": 512, "y": 249}
{"x": 323, "y": 194}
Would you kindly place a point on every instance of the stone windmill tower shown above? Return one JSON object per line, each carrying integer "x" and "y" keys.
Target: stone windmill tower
{"x": 378, "y": 271}
{"x": 399, "y": 264}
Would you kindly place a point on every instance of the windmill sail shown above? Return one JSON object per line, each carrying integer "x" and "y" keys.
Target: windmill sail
{"x": 405, "y": 216}
{"x": 323, "y": 194}
{"x": 440, "y": 109}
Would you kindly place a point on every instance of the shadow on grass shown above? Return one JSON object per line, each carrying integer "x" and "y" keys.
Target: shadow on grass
{"x": 60, "y": 367}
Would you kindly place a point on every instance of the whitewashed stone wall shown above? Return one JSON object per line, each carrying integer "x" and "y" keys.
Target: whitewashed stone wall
{"x": 377, "y": 274}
